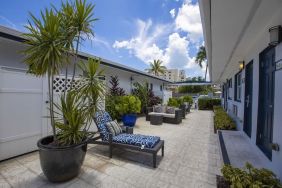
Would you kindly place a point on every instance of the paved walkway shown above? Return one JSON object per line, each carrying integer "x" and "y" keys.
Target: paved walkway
{"x": 240, "y": 150}
{"x": 191, "y": 159}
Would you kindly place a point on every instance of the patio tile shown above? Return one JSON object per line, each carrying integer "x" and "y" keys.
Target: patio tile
{"x": 113, "y": 182}
{"x": 4, "y": 183}
{"x": 92, "y": 176}
{"x": 26, "y": 179}
{"x": 48, "y": 184}
{"x": 192, "y": 159}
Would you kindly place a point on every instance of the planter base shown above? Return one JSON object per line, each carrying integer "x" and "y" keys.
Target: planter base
{"x": 60, "y": 164}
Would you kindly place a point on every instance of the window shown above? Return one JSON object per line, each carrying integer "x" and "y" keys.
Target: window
{"x": 151, "y": 86}
{"x": 161, "y": 87}
{"x": 228, "y": 89}
{"x": 238, "y": 87}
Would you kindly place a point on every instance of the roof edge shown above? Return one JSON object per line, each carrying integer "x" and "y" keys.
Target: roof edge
{"x": 15, "y": 35}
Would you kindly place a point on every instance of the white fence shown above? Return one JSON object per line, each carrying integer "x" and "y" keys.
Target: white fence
{"x": 24, "y": 110}
{"x": 21, "y": 112}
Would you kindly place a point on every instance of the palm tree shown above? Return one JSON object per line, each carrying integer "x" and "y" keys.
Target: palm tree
{"x": 45, "y": 53}
{"x": 50, "y": 42}
{"x": 80, "y": 16}
{"x": 156, "y": 67}
{"x": 202, "y": 57}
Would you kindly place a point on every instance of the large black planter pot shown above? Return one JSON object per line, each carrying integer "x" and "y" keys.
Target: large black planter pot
{"x": 60, "y": 164}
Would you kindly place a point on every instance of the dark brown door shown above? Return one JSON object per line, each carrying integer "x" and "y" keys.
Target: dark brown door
{"x": 248, "y": 99}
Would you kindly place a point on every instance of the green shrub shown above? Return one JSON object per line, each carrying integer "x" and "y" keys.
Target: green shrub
{"x": 250, "y": 177}
{"x": 187, "y": 99}
{"x": 208, "y": 103}
{"x": 110, "y": 105}
{"x": 128, "y": 104}
{"x": 173, "y": 102}
{"x": 222, "y": 121}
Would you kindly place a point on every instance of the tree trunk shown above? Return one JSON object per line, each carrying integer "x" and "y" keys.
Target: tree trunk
{"x": 74, "y": 63}
{"x": 51, "y": 102}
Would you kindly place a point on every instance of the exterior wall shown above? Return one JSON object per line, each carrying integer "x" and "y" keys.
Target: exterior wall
{"x": 277, "y": 118}
{"x": 253, "y": 55}
{"x": 126, "y": 80}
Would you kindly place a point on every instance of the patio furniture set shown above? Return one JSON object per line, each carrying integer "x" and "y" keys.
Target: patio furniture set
{"x": 162, "y": 113}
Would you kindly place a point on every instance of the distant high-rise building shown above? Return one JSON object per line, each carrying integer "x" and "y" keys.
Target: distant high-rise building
{"x": 174, "y": 75}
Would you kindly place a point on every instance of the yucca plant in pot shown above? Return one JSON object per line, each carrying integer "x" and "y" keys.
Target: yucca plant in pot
{"x": 50, "y": 45}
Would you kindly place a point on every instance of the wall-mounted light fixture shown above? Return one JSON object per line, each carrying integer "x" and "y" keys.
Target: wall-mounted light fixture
{"x": 275, "y": 34}
{"x": 241, "y": 65}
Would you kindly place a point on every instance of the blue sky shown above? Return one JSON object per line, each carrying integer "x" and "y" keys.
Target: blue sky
{"x": 131, "y": 32}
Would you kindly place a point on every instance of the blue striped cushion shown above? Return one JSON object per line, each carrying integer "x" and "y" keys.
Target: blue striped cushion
{"x": 101, "y": 118}
{"x": 137, "y": 140}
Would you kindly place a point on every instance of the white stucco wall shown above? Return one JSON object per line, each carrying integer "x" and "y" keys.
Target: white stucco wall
{"x": 253, "y": 54}
{"x": 277, "y": 118}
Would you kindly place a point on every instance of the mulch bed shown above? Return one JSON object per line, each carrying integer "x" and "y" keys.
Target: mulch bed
{"x": 221, "y": 182}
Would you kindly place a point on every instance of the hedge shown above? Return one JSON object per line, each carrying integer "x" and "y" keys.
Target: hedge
{"x": 208, "y": 103}
{"x": 173, "y": 102}
{"x": 222, "y": 121}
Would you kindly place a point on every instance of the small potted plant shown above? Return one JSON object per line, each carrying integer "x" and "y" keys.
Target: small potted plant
{"x": 128, "y": 106}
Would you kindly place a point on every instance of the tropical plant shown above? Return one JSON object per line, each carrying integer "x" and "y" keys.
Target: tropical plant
{"x": 188, "y": 99}
{"x": 202, "y": 57}
{"x": 173, "y": 102}
{"x": 91, "y": 87}
{"x": 82, "y": 22}
{"x": 112, "y": 97}
{"x": 153, "y": 99}
{"x": 141, "y": 91}
{"x": 71, "y": 120}
{"x": 46, "y": 51}
{"x": 196, "y": 89}
{"x": 128, "y": 104}
{"x": 114, "y": 89}
{"x": 50, "y": 40}
{"x": 110, "y": 106}
{"x": 250, "y": 177}
{"x": 222, "y": 121}
{"x": 156, "y": 67}
{"x": 207, "y": 103}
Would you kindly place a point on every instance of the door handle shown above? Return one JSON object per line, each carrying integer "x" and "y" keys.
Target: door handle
{"x": 247, "y": 101}
{"x": 270, "y": 106}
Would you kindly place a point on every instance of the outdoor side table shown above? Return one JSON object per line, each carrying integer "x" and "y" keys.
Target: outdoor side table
{"x": 156, "y": 119}
{"x": 128, "y": 130}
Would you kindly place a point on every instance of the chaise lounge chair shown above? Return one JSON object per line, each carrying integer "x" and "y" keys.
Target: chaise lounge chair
{"x": 136, "y": 142}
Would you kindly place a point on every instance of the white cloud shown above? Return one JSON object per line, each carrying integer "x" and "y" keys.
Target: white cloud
{"x": 175, "y": 48}
{"x": 176, "y": 54}
{"x": 144, "y": 46}
{"x": 188, "y": 20}
{"x": 172, "y": 13}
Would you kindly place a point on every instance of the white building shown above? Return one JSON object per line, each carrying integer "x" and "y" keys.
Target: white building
{"x": 237, "y": 32}
{"x": 173, "y": 75}
{"x": 23, "y": 97}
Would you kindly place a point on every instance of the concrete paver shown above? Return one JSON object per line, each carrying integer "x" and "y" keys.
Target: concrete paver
{"x": 192, "y": 159}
